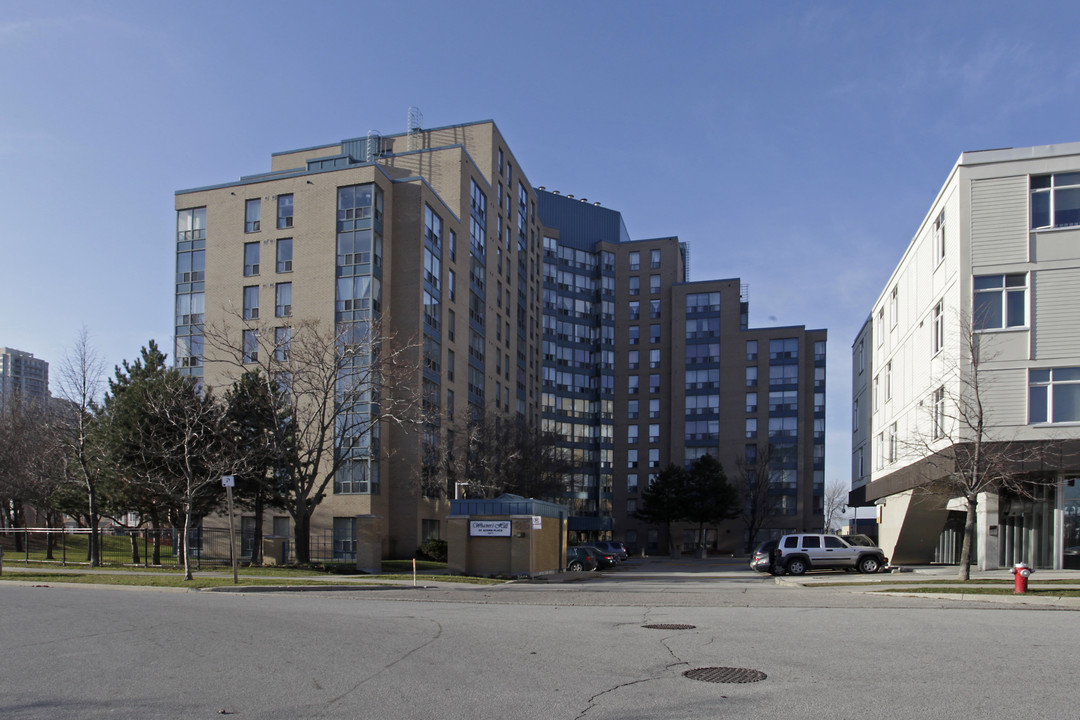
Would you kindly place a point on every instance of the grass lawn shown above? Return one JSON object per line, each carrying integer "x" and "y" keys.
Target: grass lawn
{"x": 964, "y": 589}
{"x": 155, "y": 580}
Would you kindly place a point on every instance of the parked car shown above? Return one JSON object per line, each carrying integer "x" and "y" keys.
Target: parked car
{"x": 580, "y": 559}
{"x": 603, "y": 557}
{"x": 614, "y": 547}
{"x": 764, "y": 554}
{"x": 796, "y": 554}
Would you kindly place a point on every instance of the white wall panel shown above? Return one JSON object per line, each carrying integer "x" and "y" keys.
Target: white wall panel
{"x": 999, "y": 221}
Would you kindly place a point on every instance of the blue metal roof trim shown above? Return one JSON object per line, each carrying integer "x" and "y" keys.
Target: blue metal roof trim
{"x": 507, "y": 505}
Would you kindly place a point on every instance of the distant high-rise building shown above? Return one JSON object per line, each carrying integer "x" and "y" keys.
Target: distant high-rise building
{"x": 21, "y": 374}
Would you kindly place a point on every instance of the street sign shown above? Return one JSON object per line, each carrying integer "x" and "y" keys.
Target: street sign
{"x": 228, "y": 481}
{"x": 537, "y": 523}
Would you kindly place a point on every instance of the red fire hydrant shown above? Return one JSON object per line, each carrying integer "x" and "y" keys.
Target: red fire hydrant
{"x": 1021, "y": 572}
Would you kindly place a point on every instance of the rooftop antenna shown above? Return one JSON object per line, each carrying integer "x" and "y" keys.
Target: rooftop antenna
{"x": 415, "y": 124}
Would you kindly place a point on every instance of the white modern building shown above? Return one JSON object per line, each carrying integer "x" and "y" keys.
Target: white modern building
{"x": 995, "y": 263}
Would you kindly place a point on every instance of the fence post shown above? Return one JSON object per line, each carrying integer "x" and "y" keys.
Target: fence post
{"x": 26, "y": 544}
{"x": 63, "y": 546}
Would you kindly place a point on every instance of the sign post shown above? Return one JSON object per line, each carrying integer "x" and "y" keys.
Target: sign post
{"x": 228, "y": 481}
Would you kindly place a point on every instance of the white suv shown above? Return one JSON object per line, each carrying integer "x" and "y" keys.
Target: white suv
{"x": 796, "y": 554}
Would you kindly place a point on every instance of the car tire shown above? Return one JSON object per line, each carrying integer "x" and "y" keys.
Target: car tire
{"x": 869, "y": 564}
{"x": 576, "y": 566}
{"x": 797, "y": 566}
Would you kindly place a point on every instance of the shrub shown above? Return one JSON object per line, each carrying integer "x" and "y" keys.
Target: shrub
{"x": 433, "y": 550}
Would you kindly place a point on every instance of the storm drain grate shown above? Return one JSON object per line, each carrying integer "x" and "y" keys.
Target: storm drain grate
{"x": 669, "y": 626}
{"x": 725, "y": 675}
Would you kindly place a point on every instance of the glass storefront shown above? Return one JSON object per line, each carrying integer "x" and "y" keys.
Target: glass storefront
{"x": 1071, "y": 524}
{"x": 1027, "y": 528}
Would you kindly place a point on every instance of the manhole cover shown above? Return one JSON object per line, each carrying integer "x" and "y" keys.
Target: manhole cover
{"x": 725, "y": 675}
{"x": 669, "y": 626}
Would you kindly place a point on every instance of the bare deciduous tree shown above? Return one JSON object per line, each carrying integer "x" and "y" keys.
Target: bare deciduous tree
{"x": 81, "y": 383}
{"x": 339, "y": 386}
{"x": 835, "y": 500}
{"x": 965, "y": 452}
{"x": 494, "y": 453}
{"x": 756, "y": 483}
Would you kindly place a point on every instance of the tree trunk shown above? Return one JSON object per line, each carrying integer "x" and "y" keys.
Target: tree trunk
{"x": 184, "y": 545}
{"x": 969, "y": 538}
{"x": 302, "y": 536}
{"x": 134, "y": 537}
{"x": 257, "y": 530}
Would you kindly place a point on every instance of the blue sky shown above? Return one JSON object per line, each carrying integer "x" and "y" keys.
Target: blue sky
{"x": 796, "y": 145}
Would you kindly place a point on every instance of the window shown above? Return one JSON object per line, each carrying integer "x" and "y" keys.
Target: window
{"x": 654, "y": 284}
{"x": 251, "y": 259}
{"x": 939, "y": 413}
{"x": 633, "y": 384}
{"x": 654, "y": 457}
{"x": 860, "y": 356}
{"x": 451, "y": 284}
{"x": 633, "y": 359}
{"x": 892, "y": 443}
{"x": 880, "y": 327}
{"x": 432, "y": 269}
{"x": 888, "y": 380}
{"x": 751, "y": 428}
{"x": 250, "y": 342}
{"x": 877, "y": 394}
{"x": 635, "y": 260}
{"x": 252, "y": 211}
{"x": 654, "y": 334}
{"x": 1000, "y": 301}
{"x": 894, "y": 308}
{"x": 635, "y": 310}
{"x": 855, "y": 416}
{"x": 654, "y": 358}
{"x": 251, "y": 302}
{"x": 1054, "y": 395}
{"x": 634, "y": 334}
{"x": 631, "y": 483}
{"x": 751, "y": 376}
{"x": 450, "y": 365}
{"x": 284, "y": 211}
{"x": 938, "y": 327}
{"x": 751, "y": 350}
{"x": 632, "y": 434}
{"x": 654, "y": 309}
{"x": 631, "y": 459}
{"x": 654, "y": 384}
{"x": 751, "y": 402}
{"x": 654, "y": 259}
{"x": 939, "y": 236}
{"x": 702, "y": 302}
{"x": 283, "y": 300}
{"x": 632, "y": 409}
{"x": 282, "y": 344}
{"x": 635, "y": 285}
{"x": 784, "y": 349}
{"x": 654, "y": 408}
{"x": 1055, "y": 200}
{"x": 284, "y": 255}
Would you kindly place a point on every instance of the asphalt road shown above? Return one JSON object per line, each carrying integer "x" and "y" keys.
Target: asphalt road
{"x": 525, "y": 652}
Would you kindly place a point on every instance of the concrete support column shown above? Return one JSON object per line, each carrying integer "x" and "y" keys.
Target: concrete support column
{"x": 987, "y": 531}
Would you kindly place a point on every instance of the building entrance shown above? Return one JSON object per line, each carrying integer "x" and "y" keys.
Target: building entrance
{"x": 1027, "y": 528}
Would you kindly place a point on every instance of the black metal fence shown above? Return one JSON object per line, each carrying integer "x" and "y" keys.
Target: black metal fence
{"x": 208, "y": 547}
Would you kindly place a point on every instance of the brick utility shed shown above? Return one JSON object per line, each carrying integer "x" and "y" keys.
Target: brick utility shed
{"x": 497, "y": 537}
